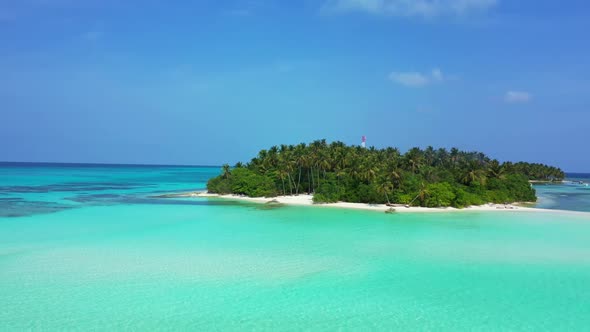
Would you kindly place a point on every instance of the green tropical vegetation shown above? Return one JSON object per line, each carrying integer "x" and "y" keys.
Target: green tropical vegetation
{"x": 337, "y": 172}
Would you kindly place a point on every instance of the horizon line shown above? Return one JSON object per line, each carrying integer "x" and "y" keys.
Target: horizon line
{"x": 156, "y": 165}
{"x": 101, "y": 164}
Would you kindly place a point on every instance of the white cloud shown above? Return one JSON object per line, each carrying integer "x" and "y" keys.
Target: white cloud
{"x": 410, "y": 79}
{"x": 437, "y": 75}
{"x": 423, "y": 8}
{"x": 513, "y": 97}
{"x": 416, "y": 79}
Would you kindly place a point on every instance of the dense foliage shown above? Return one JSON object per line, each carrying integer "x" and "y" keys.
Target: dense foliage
{"x": 336, "y": 172}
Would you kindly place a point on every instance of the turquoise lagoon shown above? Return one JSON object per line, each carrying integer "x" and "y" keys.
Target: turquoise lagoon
{"x": 90, "y": 248}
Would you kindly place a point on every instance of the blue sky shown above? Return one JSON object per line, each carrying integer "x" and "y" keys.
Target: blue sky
{"x": 207, "y": 82}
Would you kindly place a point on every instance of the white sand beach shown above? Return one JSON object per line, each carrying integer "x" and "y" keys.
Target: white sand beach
{"x": 307, "y": 200}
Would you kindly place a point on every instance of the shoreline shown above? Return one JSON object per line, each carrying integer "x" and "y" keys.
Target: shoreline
{"x": 547, "y": 182}
{"x": 306, "y": 200}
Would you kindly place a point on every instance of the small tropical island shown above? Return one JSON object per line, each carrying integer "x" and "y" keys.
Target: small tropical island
{"x": 334, "y": 172}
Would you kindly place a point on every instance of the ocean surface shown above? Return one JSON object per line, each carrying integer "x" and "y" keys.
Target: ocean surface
{"x": 573, "y": 194}
{"x": 87, "y": 247}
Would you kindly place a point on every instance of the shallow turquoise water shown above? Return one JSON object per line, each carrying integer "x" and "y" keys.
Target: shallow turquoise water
{"x": 127, "y": 261}
{"x": 573, "y": 194}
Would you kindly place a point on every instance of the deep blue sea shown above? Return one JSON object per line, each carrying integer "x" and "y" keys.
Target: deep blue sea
{"x": 92, "y": 248}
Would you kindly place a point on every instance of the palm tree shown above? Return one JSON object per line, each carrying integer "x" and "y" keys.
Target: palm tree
{"x": 429, "y": 174}
{"x": 300, "y": 161}
{"x": 282, "y": 173}
{"x": 454, "y": 156}
{"x": 285, "y": 164}
{"x": 324, "y": 163}
{"x": 442, "y": 157}
{"x": 394, "y": 172}
{"x": 384, "y": 188}
{"x": 423, "y": 194}
{"x": 473, "y": 174}
{"x": 368, "y": 169}
{"x": 429, "y": 156}
{"x": 225, "y": 171}
{"x": 496, "y": 170}
{"x": 414, "y": 159}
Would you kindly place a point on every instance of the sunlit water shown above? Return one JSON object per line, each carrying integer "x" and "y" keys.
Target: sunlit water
{"x": 85, "y": 248}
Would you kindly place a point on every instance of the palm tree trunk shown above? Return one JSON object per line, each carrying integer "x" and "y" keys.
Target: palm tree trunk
{"x": 283, "y": 179}
{"x": 412, "y": 201}
{"x": 290, "y": 186}
{"x": 298, "y": 182}
{"x": 312, "y": 181}
{"x": 318, "y": 177}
